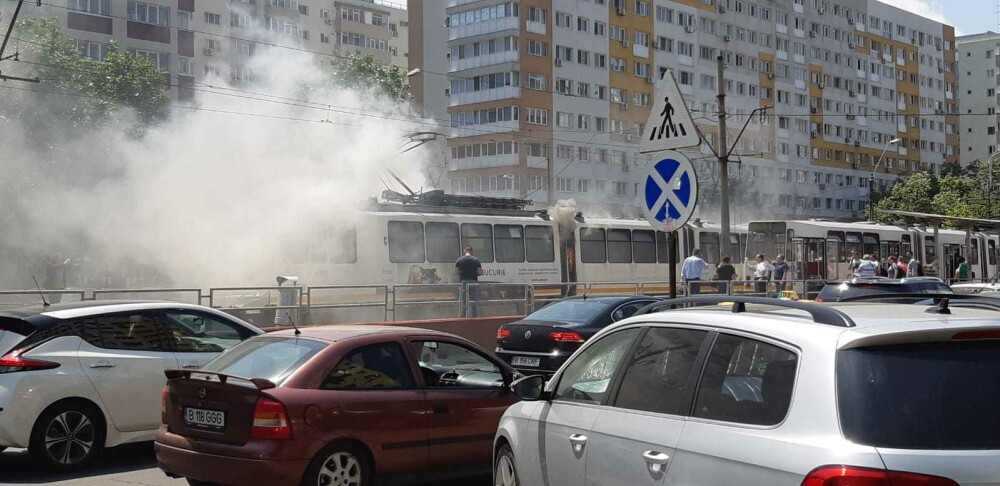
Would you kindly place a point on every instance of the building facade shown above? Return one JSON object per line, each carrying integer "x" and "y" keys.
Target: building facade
{"x": 978, "y": 63}
{"x": 215, "y": 38}
{"x": 547, "y": 98}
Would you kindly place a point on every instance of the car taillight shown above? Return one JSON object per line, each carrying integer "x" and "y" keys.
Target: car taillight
{"x": 862, "y": 476}
{"x": 975, "y": 335}
{"x": 163, "y": 404}
{"x": 270, "y": 420}
{"x": 503, "y": 333}
{"x": 13, "y": 362}
{"x": 819, "y": 299}
{"x": 566, "y": 337}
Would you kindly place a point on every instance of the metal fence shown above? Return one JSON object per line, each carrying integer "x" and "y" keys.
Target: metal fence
{"x": 328, "y": 304}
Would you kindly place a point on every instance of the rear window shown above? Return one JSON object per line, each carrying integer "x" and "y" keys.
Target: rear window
{"x": 577, "y": 311}
{"x": 271, "y": 358}
{"x": 936, "y": 396}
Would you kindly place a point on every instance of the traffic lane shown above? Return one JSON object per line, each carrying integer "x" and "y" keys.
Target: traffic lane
{"x": 133, "y": 464}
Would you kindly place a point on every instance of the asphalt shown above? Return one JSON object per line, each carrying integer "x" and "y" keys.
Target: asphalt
{"x": 132, "y": 465}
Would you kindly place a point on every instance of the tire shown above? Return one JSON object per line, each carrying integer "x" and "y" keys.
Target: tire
{"x": 505, "y": 472}
{"x": 67, "y": 436}
{"x": 339, "y": 464}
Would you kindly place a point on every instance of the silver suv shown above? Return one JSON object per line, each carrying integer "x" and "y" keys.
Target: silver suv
{"x": 787, "y": 393}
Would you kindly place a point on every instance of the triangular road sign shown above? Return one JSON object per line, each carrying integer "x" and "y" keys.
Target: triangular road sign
{"x": 669, "y": 125}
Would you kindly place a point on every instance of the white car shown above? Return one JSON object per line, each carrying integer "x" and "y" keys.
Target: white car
{"x": 75, "y": 378}
{"x": 791, "y": 393}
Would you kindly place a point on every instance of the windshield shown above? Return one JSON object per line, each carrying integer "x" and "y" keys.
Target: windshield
{"x": 935, "y": 396}
{"x": 576, "y": 311}
{"x": 272, "y": 358}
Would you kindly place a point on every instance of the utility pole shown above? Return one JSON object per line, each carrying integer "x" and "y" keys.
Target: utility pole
{"x": 723, "y": 154}
{"x": 3, "y": 45}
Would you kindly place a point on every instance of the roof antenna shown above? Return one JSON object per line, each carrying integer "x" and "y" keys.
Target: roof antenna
{"x": 45, "y": 303}
{"x": 289, "y": 316}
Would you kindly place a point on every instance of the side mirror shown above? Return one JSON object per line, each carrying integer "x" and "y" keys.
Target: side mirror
{"x": 530, "y": 388}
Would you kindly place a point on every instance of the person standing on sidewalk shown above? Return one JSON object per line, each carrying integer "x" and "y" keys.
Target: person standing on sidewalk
{"x": 780, "y": 272}
{"x": 468, "y": 269}
{"x": 692, "y": 269}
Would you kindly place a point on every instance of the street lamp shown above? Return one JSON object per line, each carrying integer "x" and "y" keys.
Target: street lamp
{"x": 871, "y": 179}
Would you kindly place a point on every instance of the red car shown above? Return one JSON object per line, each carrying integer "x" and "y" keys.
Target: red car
{"x": 335, "y": 405}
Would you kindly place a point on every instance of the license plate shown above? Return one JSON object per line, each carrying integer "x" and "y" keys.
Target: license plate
{"x": 525, "y": 361}
{"x": 205, "y": 419}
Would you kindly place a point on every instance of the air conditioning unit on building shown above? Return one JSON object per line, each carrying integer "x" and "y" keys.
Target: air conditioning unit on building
{"x": 852, "y": 94}
{"x": 821, "y": 85}
{"x": 726, "y": 38}
{"x": 812, "y": 34}
{"x": 621, "y": 10}
{"x": 821, "y": 10}
{"x": 209, "y": 51}
{"x": 623, "y": 105}
{"x": 851, "y": 45}
{"x": 857, "y": 143}
{"x": 328, "y": 21}
{"x": 649, "y": 80}
{"x": 822, "y": 187}
{"x": 770, "y": 75}
{"x": 625, "y": 43}
{"x": 690, "y": 29}
{"x": 558, "y": 62}
{"x": 447, "y": 91}
{"x": 814, "y": 135}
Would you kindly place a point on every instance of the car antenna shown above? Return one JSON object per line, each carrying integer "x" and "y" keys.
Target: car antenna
{"x": 289, "y": 316}
{"x": 45, "y": 303}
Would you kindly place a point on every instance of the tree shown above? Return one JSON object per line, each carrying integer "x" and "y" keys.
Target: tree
{"x": 360, "y": 72}
{"x": 915, "y": 194}
{"x": 96, "y": 90}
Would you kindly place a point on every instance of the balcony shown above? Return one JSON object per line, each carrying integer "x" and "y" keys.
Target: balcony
{"x": 482, "y": 28}
{"x": 902, "y": 150}
{"x": 505, "y": 160}
{"x": 640, "y": 51}
{"x": 535, "y": 162}
{"x": 480, "y": 61}
{"x": 799, "y": 58}
{"x": 859, "y": 26}
{"x": 783, "y": 133}
{"x": 862, "y": 98}
{"x": 901, "y": 127}
{"x": 484, "y": 129}
{"x": 782, "y": 29}
{"x": 798, "y": 8}
{"x": 535, "y": 27}
{"x": 495, "y": 94}
{"x": 800, "y": 84}
{"x": 900, "y": 61}
{"x": 799, "y": 33}
{"x": 862, "y": 73}
{"x": 862, "y": 121}
{"x": 782, "y": 55}
{"x": 685, "y": 60}
{"x": 875, "y": 78}
{"x": 949, "y": 95}
{"x": 901, "y": 104}
{"x": 455, "y": 3}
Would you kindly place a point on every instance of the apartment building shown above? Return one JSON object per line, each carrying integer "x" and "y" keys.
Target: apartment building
{"x": 978, "y": 63}
{"x": 547, "y": 98}
{"x": 193, "y": 41}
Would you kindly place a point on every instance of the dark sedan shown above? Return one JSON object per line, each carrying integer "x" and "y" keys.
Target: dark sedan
{"x": 542, "y": 341}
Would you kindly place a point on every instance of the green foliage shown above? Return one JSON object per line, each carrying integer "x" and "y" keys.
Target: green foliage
{"x": 101, "y": 88}
{"x": 958, "y": 192}
{"x": 361, "y": 73}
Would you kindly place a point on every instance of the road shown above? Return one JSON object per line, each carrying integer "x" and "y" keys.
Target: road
{"x": 132, "y": 465}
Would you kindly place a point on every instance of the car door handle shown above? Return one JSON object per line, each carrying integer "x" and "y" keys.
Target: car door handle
{"x": 656, "y": 458}
{"x": 578, "y": 441}
{"x": 102, "y": 364}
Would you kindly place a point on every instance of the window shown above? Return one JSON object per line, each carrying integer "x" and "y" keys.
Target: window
{"x": 442, "y": 242}
{"x": 199, "y": 333}
{"x": 537, "y": 48}
{"x": 509, "y": 241}
{"x": 96, "y": 7}
{"x": 480, "y": 238}
{"x": 593, "y": 247}
{"x": 184, "y": 66}
{"x": 184, "y": 20}
{"x": 376, "y": 366}
{"x": 619, "y": 246}
{"x": 658, "y": 377}
{"x": 582, "y": 24}
{"x": 160, "y": 59}
{"x": 93, "y": 50}
{"x": 643, "y": 246}
{"x": 137, "y": 332}
{"x": 406, "y": 242}
{"x": 214, "y": 19}
{"x": 536, "y": 14}
{"x": 150, "y": 14}
{"x": 539, "y": 244}
{"x": 537, "y": 116}
{"x": 600, "y": 28}
{"x": 587, "y": 378}
{"x": 746, "y": 381}
{"x": 536, "y": 81}
{"x": 440, "y": 363}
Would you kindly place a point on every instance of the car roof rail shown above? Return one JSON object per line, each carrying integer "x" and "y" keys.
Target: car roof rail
{"x": 941, "y": 300}
{"x": 821, "y": 314}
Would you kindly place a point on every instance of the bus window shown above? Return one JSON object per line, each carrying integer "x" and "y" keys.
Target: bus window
{"x": 708, "y": 242}
{"x": 406, "y": 242}
{"x": 619, "y": 246}
{"x": 344, "y": 245}
{"x": 974, "y": 256}
{"x": 593, "y": 248}
{"x": 510, "y": 243}
{"x": 853, "y": 244}
{"x": 734, "y": 247}
{"x": 870, "y": 244}
{"x": 442, "y": 242}
{"x": 930, "y": 249}
{"x": 891, "y": 248}
{"x": 643, "y": 246}
{"x": 480, "y": 238}
{"x": 538, "y": 240}
{"x": 662, "y": 250}
{"x": 992, "y": 245}
{"x": 905, "y": 246}
{"x": 841, "y": 249}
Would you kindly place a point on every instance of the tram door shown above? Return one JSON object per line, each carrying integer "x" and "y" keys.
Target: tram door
{"x": 815, "y": 258}
{"x": 833, "y": 256}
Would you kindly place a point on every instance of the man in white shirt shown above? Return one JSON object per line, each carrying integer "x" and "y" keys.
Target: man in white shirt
{"x": 866, "y": 268}
{"x": 693, "y": 267}
{"x": 762, "y": 272}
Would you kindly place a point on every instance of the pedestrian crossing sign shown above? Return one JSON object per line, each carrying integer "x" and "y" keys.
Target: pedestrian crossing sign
{"x": 669, "y": 126}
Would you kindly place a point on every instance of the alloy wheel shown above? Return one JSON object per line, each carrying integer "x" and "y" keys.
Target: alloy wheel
{"x": 69, "y": 437}
{"x": 340, "y": 469}
{"x": 505, "y": 472}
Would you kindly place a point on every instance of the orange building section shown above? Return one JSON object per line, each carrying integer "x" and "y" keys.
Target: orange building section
{"x": 627, "y": 81}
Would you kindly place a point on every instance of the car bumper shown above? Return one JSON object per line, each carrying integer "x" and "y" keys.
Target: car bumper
{"x": 178, "y": 461}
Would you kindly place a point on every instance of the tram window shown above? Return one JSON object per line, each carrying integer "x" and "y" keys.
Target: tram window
{"x": 734, "y": 247}
{"x": 619, "y": 246}
{"x": 853, "y": 243}
{"x": 406, "y": 242}
{"x": 661, "y": 248}
{"x": 839, "y": 236}
{"x": 509, "y": 240}
{"x": 974, "y": 257}
{"x": 870, "y": 244}
{"x": 442, "y": 242}
{"x": 343, "y": 245}
{"x": 480, "y": 238}
{"x": 539, "y": 241}
{"x": 708, "y": 243}
{"x": 992, "y": 251}
{"x": 905, "y": 246}
{"x": 593, "y": 248}
{"x": 643, "y": 246}
{"x": 930, "y": 249}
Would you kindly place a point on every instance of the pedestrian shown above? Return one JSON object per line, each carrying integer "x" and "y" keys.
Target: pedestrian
{"x": 855, "y": 261}
{"x": 692, "y": 269}
{"x": 914, "y": 268}
{"x": 866, "y": 268}
{"x": 468, "y": 269}
{"x": 892, "y": 271}
{"x": 879, "y": 267}
{"x": 724, "y": 273}
{"x": 780, "y": 272}
{"x": 901, "y": 262}
{"x": 761, "y": 273}
{"x": 55, "y": 276}
{"x": 962, "y": 271}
